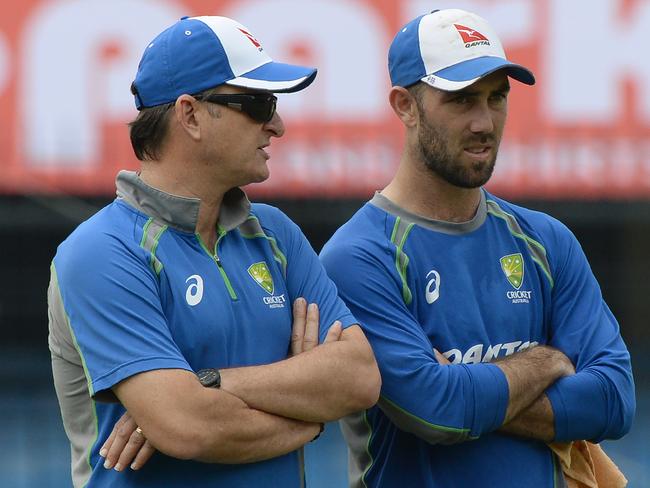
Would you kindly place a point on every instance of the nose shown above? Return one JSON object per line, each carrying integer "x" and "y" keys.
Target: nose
{"x": 482, "y": 119}
{"x": 275, "y": 126}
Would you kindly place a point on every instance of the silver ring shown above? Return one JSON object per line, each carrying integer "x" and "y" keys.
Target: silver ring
{"x": 139, "y": 431}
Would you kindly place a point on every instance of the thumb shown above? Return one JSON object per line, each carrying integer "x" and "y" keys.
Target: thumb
{"x": 334, "y": 332}
{"x": 441, "y": 358}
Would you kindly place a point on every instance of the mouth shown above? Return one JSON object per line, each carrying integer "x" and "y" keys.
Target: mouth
{"x": 478, "y": 152}
{"x": 263, "y": 152}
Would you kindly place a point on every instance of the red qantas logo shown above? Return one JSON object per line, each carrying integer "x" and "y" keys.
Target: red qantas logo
{"x": 255, "y": 42}
{"x": 469, "y": 35}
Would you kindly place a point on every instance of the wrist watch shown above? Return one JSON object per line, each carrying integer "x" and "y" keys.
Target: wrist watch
{"x": 209, "y": 377}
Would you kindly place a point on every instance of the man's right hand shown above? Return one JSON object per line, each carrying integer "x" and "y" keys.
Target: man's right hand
{"x": 126, "y": 446}
{"x": 529, "y": 373}
{"x": 304, "y": 335}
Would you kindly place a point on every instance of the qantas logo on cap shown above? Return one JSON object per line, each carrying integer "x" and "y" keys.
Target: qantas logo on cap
{"x": 471, "y": 37}
{"x": 255, "y": 42}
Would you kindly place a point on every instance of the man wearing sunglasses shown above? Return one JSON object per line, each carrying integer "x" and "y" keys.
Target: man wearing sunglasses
{"x": 188, "y": 307}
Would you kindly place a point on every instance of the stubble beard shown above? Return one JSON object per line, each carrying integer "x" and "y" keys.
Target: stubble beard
{"x": 437, "y": 157}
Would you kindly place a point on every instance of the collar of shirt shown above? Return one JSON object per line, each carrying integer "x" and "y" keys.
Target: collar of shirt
{"x": 179, "y": 212}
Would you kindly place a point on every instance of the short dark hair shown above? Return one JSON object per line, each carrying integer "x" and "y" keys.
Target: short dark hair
{"x": 149, "y": 129}
{"x": 416, "y": 90}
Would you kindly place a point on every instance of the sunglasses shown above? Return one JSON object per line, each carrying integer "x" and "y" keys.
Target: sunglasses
{"x": 258, "y": 106}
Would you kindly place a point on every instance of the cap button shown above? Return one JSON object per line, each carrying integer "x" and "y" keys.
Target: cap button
{"x": 185, "y": 17}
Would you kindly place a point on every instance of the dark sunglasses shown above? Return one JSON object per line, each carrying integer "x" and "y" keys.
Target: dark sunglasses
{"x": 258, "y": 106}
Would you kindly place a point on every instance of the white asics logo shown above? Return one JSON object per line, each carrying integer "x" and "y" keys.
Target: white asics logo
{"x": 433, "y": 287}
{"x": 194, "y": 293}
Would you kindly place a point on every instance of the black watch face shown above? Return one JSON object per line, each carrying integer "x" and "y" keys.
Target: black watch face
{"x": 208, "y": 377}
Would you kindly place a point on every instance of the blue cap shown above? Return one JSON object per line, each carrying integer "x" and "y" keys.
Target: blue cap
{"x": 198, "y": 53}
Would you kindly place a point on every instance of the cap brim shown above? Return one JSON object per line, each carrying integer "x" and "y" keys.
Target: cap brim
{"x": 463, "y": 74}
{"x": 276, "y": 77}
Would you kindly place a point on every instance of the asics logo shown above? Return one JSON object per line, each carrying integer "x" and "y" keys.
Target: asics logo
{"x": 432, "y": 292}
{"x": 194, "y": 293}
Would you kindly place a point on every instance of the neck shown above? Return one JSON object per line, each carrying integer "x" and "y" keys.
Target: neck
{"x": 420, "y": 191}
{"x": 179, "y": 179}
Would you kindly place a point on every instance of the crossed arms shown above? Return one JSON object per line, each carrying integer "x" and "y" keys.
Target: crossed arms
{"x": 259, "y": 412}
{"x": 533, "y": 393}
{"x": 529, "y": 373}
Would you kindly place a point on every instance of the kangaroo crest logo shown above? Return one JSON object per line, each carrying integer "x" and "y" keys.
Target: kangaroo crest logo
{"x": 469, "y": 35}
{"x": 251, "y": 38}
{"x": 262, "y": 276}
{"x": 513, "y": 267}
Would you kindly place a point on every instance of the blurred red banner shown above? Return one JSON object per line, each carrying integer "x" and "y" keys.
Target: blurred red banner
{"x": 582, "y": 132}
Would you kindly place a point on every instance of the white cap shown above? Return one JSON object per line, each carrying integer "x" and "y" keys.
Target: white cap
{"x": 449, "y": 50}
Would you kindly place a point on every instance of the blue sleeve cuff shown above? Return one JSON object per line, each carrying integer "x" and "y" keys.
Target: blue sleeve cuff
{"x": 112, "y": 378}
{"x": 579, "y": 405}
{"x": 491, "y": 395}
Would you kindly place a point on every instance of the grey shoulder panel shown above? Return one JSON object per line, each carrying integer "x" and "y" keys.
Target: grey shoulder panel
{"x": 401, "y": 230}
{"x": 356, "y": 431}
{"x": 428, "y": 432}
{"x": 151, "y": 233}
{"x": 71, "y": 385}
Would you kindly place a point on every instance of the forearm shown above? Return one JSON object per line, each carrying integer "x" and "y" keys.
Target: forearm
{"x": 323, "y": 384}
{"x": 184, "y": 420}
{"x": 529, "y": 373}
{"x": 253, "y": 436}
{"x": 536, "y": 421}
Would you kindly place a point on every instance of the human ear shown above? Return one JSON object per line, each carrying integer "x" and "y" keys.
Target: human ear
{"x": 404, "y": 105}
{"x": 185, "y": 110}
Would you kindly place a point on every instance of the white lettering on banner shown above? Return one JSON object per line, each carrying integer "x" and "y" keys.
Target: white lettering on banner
{"x": 576, "y": 167}
{"x": 514, "y": 20}
{"x": 366, "y": 164}
{"x": 4, "y": 62}
{"x": 68, "y": 88}
{"x": 585, "y": 62}
{"x": 582, "y": 165}
{"x": 352, "y": 80}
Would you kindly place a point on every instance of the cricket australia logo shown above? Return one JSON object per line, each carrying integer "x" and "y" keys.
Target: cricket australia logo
{"x": 512, "y": 266}
{"x": 262, "y": 276}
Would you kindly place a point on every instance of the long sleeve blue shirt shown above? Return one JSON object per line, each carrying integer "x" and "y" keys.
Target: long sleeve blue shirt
{"x": 508, "y": 279}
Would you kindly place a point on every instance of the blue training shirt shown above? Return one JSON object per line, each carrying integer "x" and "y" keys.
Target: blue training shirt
{"x": 476, "y": 291}
{"x": 134, "y": 289}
